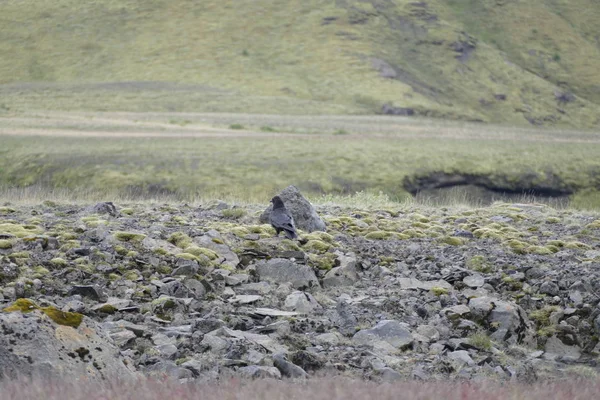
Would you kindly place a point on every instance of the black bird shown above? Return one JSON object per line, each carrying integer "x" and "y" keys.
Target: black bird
{"x": 281, "y": 219}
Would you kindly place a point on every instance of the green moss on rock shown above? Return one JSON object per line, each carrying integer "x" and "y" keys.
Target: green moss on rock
{"x": 453, "y": 240}
{"x": 6, "y": 244}
{"x": 19, "y": 254}
{"x": 40, "y": 271}
{"x": 129, "y": 236}
{"x": 120, "y": 250}
{"x": 180, "y": 240}
{"x": 59, "y": 262}
{"x": 56, "y": 315}
{"x": 438, "y": 291}
{"x": 540, "y": 250}
{"x": 107, "y": 309}
{"x": 577, "y": 245}
{"x": 164, "y": 269}
{"x": 518, "y": 247}
{"x": 320, "y": 236}
{"x": 378, "y": 235}
{"x": 131, "y": 276}
{"x": 198, "y": 251}
{"x": 187, "y": 256}
{"x": 19, "y": 230}
{"x": 480, "y": 264}
{"x": 323, "y": 262}
{"x": 317, "y": 246}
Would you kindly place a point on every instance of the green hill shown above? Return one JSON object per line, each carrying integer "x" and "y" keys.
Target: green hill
{"x": 507, "y": 61}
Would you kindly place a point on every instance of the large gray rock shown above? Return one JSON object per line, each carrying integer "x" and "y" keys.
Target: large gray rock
{"x": 259, "y": 372}
{"x": 301, "y": 302}
{"x": 281, "y": 270}
{"x": 508, "y": 321}
{"x": 346, "y": 274}
{"x": 386, "y": 335}
{"x": 32, "y": 344}
{"x": 288, "y": 369}
{"x": 305, "y": 215}
{"x": 106, "y": 207}
{"x": 556, "y": 348}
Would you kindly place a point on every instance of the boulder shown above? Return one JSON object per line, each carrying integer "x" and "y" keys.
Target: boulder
{"x": 288, "y": 369}
{"x": 507, "y": 321}
{"x": 32, "y": 344}
{"x": 106, "y": 207}
{"x": 305, "y": 215}
{"x": 281, "y": 270}
{"x": 386, "y": 335}
{"x": 301, "y": 302}
{"x": 345, "y": 274}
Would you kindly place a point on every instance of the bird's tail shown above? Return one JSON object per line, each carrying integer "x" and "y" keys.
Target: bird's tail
{"x": 290, "y": 234}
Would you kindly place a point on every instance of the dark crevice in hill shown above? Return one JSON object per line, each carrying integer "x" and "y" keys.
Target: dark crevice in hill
{"x": 543, "y": 186}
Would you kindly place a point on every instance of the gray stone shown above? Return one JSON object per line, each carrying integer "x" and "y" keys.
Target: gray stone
{"x": 510, "y": 321}
{"x": 474, "y": 281}
{"x": 255, "y": 288}
{"x": 258, "y": 372}
{"x": 597, "y": 324}
{"x": 385, "y": 334}
{"x": 106, "y": 207}
{"x": 412, "y": 283}
{"x": 330, "y": 339}
{"x": 429, "y": 332}
{"x": 344, "y": 318}
{"x": 228, "y": 257}
{"x": 245, "y": 299}
{"x": 93, "y": 292}
{"x": 281, "y": 270}
{"x": 388, "y": 375}
{"x": 304, "y": 214}
{"x": 456, "y": 312}
{"x": 345, "y": 274}
{"x": 270, "y": 312}
{"x": 175, "y": 289}
{"x": 216, "y": 344}
{"x": 556, "y": 348}
{"x": 186, "y": 268}
{"x": 114, "y": 302}
{"x": 32, "y": 344}
{"x": 576, "y": 297}
{"x": 75, "y": 306}
{"x": 236, "y": 279}
{"x": 462, "y": 357}
{"x": 206, "y": 325}
{"x": 170, "y": 369}
{"x": 195, "y": 288}
{"x": 263, "y": 341}
{"x": 123, "y": 338}
{"x": 549, "y": 288}
{"x": 301, "y": 302}
{"x": 288, "y": 369}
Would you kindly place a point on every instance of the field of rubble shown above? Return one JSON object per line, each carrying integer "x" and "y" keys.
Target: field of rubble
{"x": 507, "y": 292}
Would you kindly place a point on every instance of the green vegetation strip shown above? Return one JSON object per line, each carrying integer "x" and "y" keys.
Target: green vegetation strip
{"x": 252, "y": 168}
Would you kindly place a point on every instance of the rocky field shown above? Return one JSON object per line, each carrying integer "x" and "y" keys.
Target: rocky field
{"x": 193, "y": 293}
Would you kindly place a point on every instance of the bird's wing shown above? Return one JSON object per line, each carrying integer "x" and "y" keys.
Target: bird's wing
{"x": 283, "y": 220}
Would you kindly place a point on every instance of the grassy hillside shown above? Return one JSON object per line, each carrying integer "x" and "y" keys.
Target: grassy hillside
{"x": 491, "y": 60}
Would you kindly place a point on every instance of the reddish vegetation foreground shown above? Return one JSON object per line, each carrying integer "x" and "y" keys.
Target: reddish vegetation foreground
{"x": 321, "y": 389}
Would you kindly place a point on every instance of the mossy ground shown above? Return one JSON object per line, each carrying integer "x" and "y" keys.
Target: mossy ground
{"x": 58, "y": 316}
